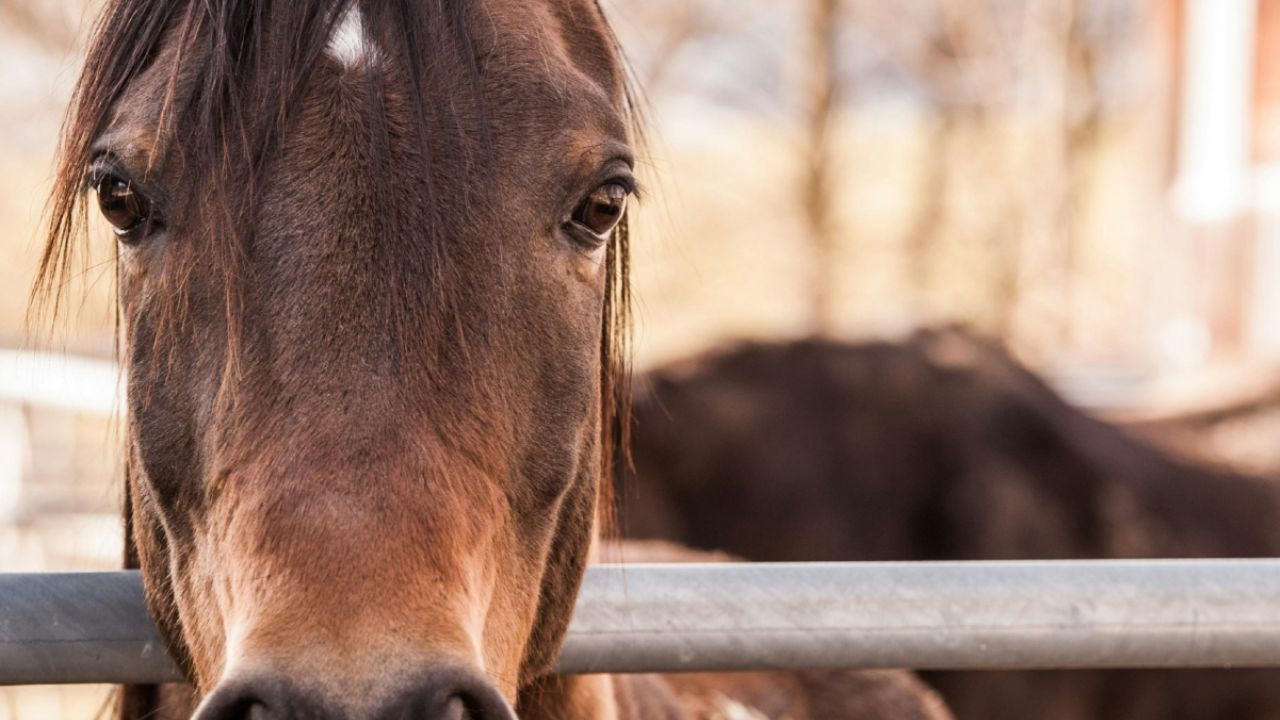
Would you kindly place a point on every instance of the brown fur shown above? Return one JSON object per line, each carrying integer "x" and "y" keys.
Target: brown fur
{"x": 373, "y": 368}
{"x": 940, "y": 448}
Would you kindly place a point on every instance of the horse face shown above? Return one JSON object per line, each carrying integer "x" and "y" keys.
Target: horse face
{"x": 364, "y": 342}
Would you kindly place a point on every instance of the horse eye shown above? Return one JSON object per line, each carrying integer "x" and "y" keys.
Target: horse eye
{"x": 123, "y": 207}
{"x": 603, "y": 209}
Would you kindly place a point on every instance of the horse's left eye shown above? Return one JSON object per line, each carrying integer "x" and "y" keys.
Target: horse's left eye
{"x": 603, "y": 209}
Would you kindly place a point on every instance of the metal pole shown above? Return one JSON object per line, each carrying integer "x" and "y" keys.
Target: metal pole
{"x": 928, "y": 615}
{"x": 78, "y": 628}
{"x": 678, "y": 618}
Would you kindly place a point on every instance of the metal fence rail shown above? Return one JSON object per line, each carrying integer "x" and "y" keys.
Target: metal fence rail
{"x": 92, "y": 627}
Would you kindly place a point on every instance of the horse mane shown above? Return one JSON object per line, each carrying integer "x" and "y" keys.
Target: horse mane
{"x": 241, "y": 68}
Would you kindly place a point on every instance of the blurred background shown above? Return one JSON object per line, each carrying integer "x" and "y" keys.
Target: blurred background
{"x": 1094, "y": 183}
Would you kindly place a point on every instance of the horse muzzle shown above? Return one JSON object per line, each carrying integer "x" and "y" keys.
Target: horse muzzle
{"x": 444, "y": 694}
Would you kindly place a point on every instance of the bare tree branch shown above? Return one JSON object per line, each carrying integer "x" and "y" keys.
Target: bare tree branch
{"x": 822, "y": 99}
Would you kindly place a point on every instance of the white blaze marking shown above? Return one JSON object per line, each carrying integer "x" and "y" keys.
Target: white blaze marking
{"x": 348, "y": 44}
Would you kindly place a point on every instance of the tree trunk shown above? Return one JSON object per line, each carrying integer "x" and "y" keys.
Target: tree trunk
{"x": 817, "y": 181}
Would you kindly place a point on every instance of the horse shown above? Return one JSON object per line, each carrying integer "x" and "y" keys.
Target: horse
{"x": 372, "y": 288}
{"x": 940, "y": 447}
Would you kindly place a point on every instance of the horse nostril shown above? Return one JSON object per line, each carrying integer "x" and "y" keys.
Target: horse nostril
{"x": 479, "y": 706}
{"x": 455, "y": 710}
{"x": 262, "y": 698}
{"x": 450, "y": 694}
{"x": 233, "y": 706}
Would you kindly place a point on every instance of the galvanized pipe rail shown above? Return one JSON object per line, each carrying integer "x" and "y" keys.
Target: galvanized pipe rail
{"x": 93, "y": 627}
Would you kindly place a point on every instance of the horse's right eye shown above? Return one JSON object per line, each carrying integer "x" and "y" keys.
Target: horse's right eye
{"x": 126, "y": 209}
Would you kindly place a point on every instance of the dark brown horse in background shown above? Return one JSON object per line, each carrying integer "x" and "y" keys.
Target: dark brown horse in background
{"x": 372, "y": 288}
{"x": 940, "y": 448}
